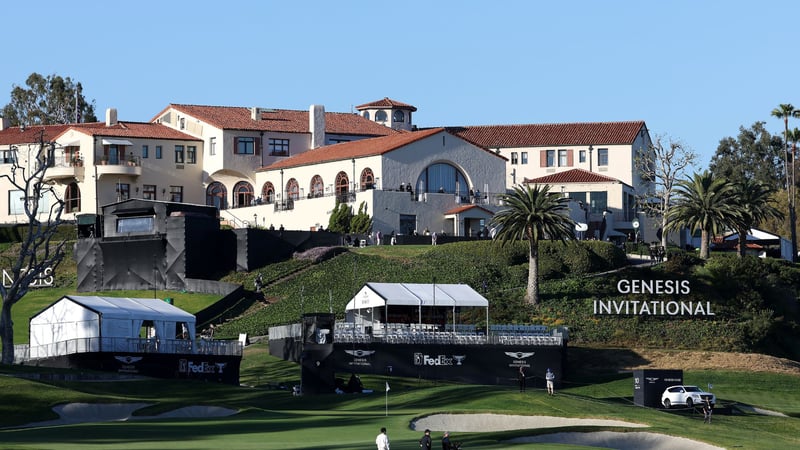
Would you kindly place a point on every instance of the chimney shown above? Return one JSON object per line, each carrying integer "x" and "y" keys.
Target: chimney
{"x": 316, "y": 124}
{"x": 4, "y": 123}
{"x": 255, "y": 113}
{"x": 111, "y": 116}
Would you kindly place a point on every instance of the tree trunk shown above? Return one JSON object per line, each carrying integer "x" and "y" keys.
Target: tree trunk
{"x": 704, "y": 244}
{"x": 793, "y": 228}
{"x": 532, "y": 293}
{"x": 7, "y": 334}
{"x": 742, "y": 242}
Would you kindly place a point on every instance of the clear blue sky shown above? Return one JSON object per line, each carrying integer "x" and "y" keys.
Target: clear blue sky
{"x": 693, "y": 70}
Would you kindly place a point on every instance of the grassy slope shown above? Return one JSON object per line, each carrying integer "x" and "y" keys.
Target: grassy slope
{"x": 273, "y": 419}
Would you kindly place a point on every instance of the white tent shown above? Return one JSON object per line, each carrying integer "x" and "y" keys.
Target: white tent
{"x": 385, "y": 295}
{"x": 93, "y": 324}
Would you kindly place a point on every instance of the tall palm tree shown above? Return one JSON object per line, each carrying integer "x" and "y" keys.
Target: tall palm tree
{"x": 754, "y": 204}
{"x": 703, "y": 203}
{"x": 784, "y": 111}
{"x": 532, "y": 213}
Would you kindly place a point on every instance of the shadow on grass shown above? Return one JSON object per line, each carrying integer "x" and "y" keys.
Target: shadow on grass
{"x": 599, "y": 364}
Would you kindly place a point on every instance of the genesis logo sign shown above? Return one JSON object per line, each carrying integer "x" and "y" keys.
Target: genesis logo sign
{"x": 128, "y": 359}
{"x": 519, "y": 358}
{"x": 359, "y": 353}
{"x": 360, "y": 357}
{"x": 519, "y": 355}
{"x": 421, "y": 359}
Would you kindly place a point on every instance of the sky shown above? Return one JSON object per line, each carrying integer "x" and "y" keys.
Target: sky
{"x": 694, "y": 71}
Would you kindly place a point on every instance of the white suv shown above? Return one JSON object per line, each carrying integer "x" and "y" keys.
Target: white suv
{"x": 686, "y": 395}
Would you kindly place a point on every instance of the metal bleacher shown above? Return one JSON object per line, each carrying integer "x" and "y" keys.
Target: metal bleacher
{"x": 453, "y": 334}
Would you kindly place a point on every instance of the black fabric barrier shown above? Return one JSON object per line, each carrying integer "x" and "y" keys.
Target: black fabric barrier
{"x": 217, "y": 368}
{"x": 473, "y": 364}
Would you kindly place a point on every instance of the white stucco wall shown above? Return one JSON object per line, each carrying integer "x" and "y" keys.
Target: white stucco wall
{"x": 384, "y": 203}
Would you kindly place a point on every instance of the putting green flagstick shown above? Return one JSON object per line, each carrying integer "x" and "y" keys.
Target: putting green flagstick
{"x": 387, "y": 398}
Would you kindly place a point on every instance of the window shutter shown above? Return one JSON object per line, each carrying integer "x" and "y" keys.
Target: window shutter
{"x": 257, "y": 147}
{"x": 570, "y": 158}
{"x": 235, "y": 145}
{"x": 542, "y": 158}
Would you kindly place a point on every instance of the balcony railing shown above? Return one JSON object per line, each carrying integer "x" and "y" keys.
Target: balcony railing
{"x": 23, "y": 353}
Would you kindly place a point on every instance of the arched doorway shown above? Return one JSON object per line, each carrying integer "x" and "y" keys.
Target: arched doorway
{"x": 243, "y": 194}
{"x": 367, "y": 179}
{"x": 317, "y": 188}
{"x": 217, "y": 195}
{"x": 342, "y": 187}
{"x": 268, "y": 192}
{"x": 72, "y": 198}
{"x": 292, "y": 189}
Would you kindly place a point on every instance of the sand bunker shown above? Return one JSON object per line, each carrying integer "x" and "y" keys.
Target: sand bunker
{"x": 114, "y": 412}
{"x": 502, "y": 422}
{"x": 608, "y": 439}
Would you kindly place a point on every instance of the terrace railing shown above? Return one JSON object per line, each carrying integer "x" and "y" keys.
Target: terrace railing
{"x": 23, "y": 353}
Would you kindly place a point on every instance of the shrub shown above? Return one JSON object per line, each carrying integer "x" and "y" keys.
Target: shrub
{"x": 680, "y": 262}
{"x": 579, "y": 259}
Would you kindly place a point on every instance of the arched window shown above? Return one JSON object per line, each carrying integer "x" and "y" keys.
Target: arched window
{"x": 317, "y": 188}
{"x": 443, "y": 177}
{"x": 72, "y": 198}
{"x": 217, "y": 195}
{"x": 366, "y": 114}
{"x": 399, "y": 116}
{"x": 342, "y": 186}
{"x": 292, "y": 189}
{"x": 268, "y": 192}
{"x": 367, "y": 179}
{"x": 243, "y": 194}
{"x": 380, "y": 116}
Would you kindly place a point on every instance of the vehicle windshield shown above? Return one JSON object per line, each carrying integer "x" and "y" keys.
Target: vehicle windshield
{"x": 693, "y": 389}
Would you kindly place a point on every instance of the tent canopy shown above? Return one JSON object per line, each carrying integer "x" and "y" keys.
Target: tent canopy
{"x": 376, "y": 295}
{"x": 131, "y": 308}
{"x": 75, "y": 317}
{"x": 754, "y": 234}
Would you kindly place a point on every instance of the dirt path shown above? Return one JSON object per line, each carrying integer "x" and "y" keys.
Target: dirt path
{"x": 629, "y": 359}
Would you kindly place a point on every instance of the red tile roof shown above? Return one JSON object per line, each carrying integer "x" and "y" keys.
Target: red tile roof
{"x": 31, "y": 134}
{"x": 572, "y": 176}
{"x": 132, "y": 130}
{"x": 461, "y": 209}
{"x": 354, "y": 149}
{"x": 280, "y": 120}
{"x": 554, "y": 134}
{"x": 386, "y": 102}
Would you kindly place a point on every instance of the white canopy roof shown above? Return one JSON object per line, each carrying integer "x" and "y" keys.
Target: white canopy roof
{"x": 376, "y": 295}
{"x": 132, "y": 308}
{"x": 75, "y": 318}
{"x": 753, "y": 235}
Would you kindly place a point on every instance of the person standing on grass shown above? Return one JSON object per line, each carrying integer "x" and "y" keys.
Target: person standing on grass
{"x": 521, "y": 377}
{"x": 425, "y": 442}
{"x": 382, "y": 441}
{"x": 550, "y": 377}
{"x": 446, "y": 444}
{"x": 707, "y": 410}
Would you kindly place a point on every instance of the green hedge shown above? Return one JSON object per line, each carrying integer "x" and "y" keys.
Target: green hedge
{"x": 755, "y": 300}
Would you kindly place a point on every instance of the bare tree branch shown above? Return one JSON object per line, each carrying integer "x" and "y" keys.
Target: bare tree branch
{"x": 660, "y": 166}
{"x": 39, "y": 250}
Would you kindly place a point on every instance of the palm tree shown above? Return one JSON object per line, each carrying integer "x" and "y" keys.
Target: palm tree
{"x": 532, "y": 213}
{"x": 784, "y": 111}
{"x": 703, "y": 203}
{"x": 754, "y": 204}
